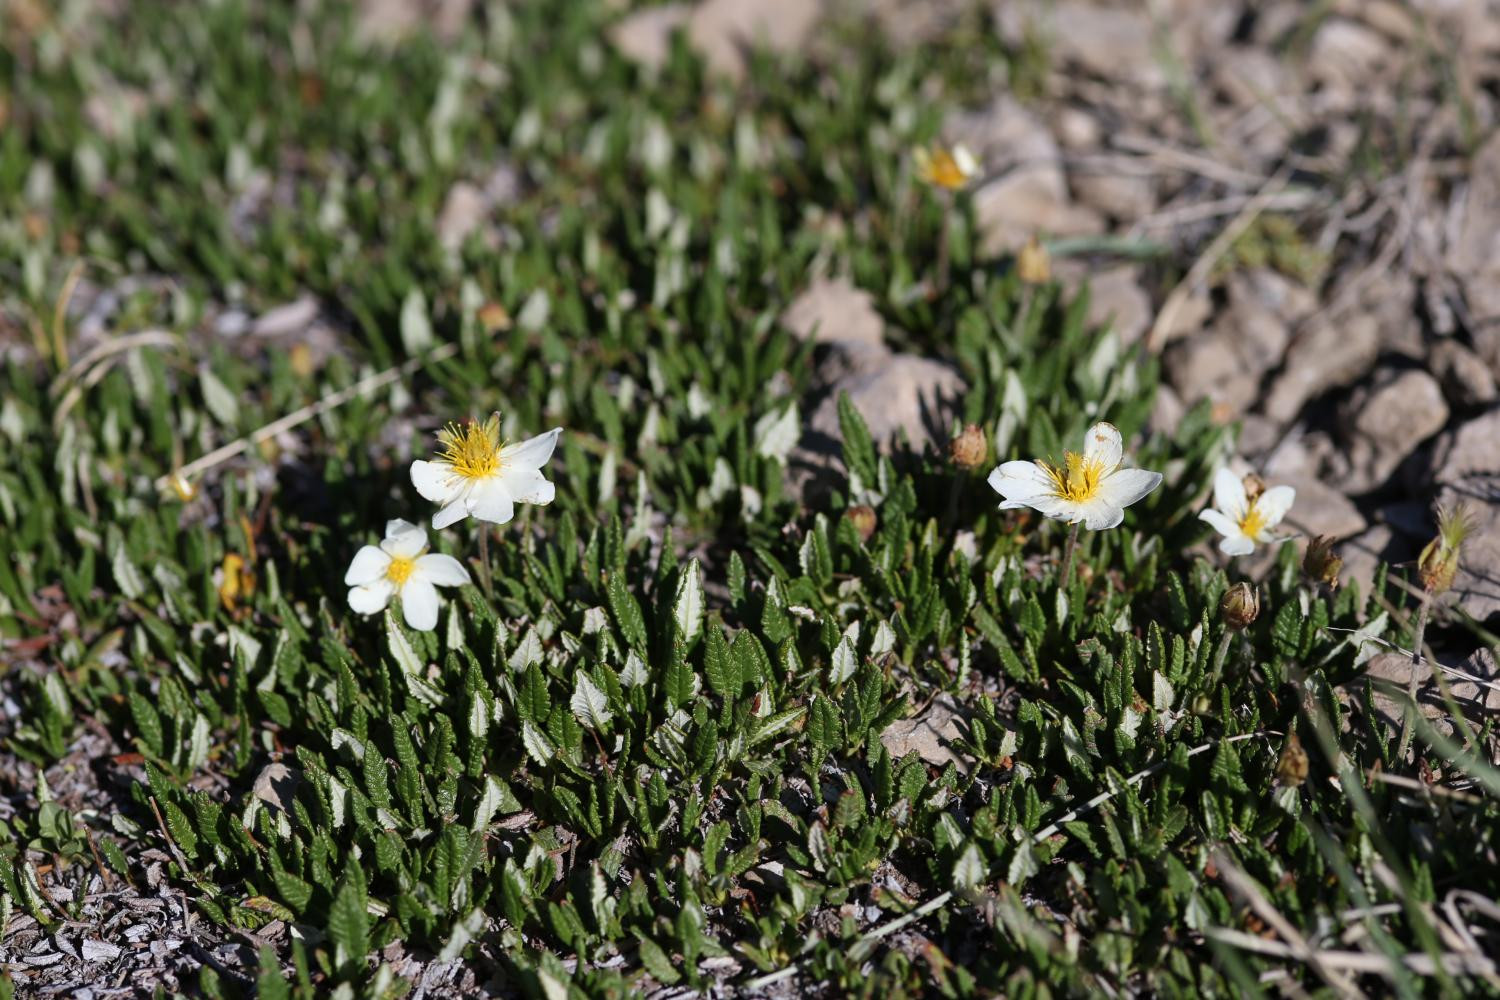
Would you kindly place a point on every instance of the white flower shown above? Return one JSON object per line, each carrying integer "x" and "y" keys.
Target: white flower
{"x": 1242, "y": 521}
{"x": 476, "y": 473}
{"x": 402, "y": 565}
{"x": 1090, "y": 487}
{"x": 950, "y": 169}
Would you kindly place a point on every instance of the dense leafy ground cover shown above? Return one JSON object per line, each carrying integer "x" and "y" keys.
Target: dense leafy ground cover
{"x": 653, "y": 755}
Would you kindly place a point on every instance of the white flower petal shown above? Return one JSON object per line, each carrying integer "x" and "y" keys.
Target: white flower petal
{"x": 1229, "y": 494}
{"x": 528, "y": 486}
{"x": 1102, "y": 446}
{"x": 531, "y": 454}
{"x": 1237, "y": 544}
{"x": 1021, "y": 482}
{"x": 964, "y": 159}
{"x": 435, "y": 481}
{"x": 419, "y": 603}
{"x": 1100, "y": 515}
{"x": 455, "y": 511}
{"x": 368, "y": 565}
{"x": 371, "y": 598}
{"x": 442, "y": 570}
{"x": 490, "y": 501}
{"x": 1273, "y": 504}
{"x": 404, "y": 539}
{"x": 1124, "y": 487}
{"x": 1050, "y": 506}
{"x": 1221, "y": 522}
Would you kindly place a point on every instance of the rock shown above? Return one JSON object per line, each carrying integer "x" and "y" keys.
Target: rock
{"x": 388, "y": 22}
{"x": 1466, "y": 468}
{"x": 645, "y": 36}
{"x": 1346, "y": 54}
{"x": 1474, "y": 256}
{"x": 928, "y": 734}
{"x": 723, "y": 31}
{"x": 1322, "y": 510}
{"x": 1167, "y": 411}
{"x": 463, "y": 210}
{"x": 291, "y": 317}
{"x": 1107, "y": 42}
{"x": 1476, "y": 697}
{"x": 1388, "y": 421}
{"x": 835, "y": 310}
{"x": 1325, "y": 356}
{"x": 1466, "y": 380}
{"x": 1366, "y": 550}
{"x": 1029, "y": 194}
{"x": 1117, "y": 300}
{"x": 1208, "y": 365}
{"x": 900, "y": 393}
{"x": 1125, "y": 196}
{"x": 1076, "y": 129}
{"x": 276, "y": 785}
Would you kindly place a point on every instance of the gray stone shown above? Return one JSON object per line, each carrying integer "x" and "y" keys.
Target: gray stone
{"x": 1388, "y": 421}
{"x": 1108, "y": 42}
{"x": 835, "y": 310}
{"x": 1029, "y": 193}
{"x": 1466, "y": 380}
{"x": 1466, "y": 469}
{"x": 1363, "y": 553}
{"x": 900, "y": 394}
{"x": 928, "y": 734}
{"x": 1346, "y": 54}
{"x": 645, "y": 36}
{"x": 723, "y": 31}
{"x": 1474, "y": 256}
{"x": 1325, "y": 356}
{"x": 276, "y": 785}
{"x": 1473, "y": 687}
{"x": 1322, "y": 510}
{"x": 293, "y": 317}
{"x": 1125, "y": 196}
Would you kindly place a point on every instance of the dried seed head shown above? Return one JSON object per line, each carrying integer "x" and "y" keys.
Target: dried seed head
{"x": 1291, "y": 768}
{"x": 493, "y": 317}
{"x": 1438, "y": 563}
{"x": 1240, "y": 606}
{"x": 1321, "y": 563}
{"x": 968, "y": 449}
{"x": 1033, "y": 263}
{"x": 864, "y": 521}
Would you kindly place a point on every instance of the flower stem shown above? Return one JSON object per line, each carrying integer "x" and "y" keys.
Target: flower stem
{"x": 943, "y": 251}
{"x": 1220, "y": 655}
{"x": 485, "y": 582}
{"x": 1416, "y": 664}
{"x": 1067, "y": 566}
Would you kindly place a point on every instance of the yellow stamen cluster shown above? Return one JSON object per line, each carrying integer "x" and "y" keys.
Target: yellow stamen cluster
{"x": 1077, "y": 480}
{"x": 472, "y": 449}
{"x": 940, "y": 168}
{"x": 399, "y": 570}
{"x": 1254, "y": 522}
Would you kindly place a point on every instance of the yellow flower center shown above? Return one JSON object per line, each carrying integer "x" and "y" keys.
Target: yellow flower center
{"x": 941, "y": 169}
{"x": 1254, "y": 522}
{"x": 472, "y": 449}
{"x": 399, "y": 569}
{"x": 1078, "y": 479}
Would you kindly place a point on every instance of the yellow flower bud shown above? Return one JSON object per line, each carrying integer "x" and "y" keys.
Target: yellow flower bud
{"x": 1033, "y": 263}
{"x": 864, "y": 521}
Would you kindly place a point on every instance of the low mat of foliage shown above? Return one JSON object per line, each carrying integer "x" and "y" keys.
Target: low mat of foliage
{"x": 659, "y": 743}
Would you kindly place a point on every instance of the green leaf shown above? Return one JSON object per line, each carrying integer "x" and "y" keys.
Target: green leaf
{"x": 589, "y": 704}
{"x": 858, "y": 445}
{"x": 687, "y": 606}
{"x": 349, "y": 923}
{"x": 627, "y": 612}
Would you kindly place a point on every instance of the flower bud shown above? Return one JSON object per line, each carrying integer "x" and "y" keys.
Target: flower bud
{"x": 864, "y": 521}
{"x": 182, "y": 487}
{"x": 968, "y": 449}
{"x": 493, "y": 317}
{"x": 1321, "y": 563}
{"x": 1291, "y": 768}
{"x": 1240, "y": 606}
{"x": 1033, "y": 263}
{"x": 1438, "y": 563}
